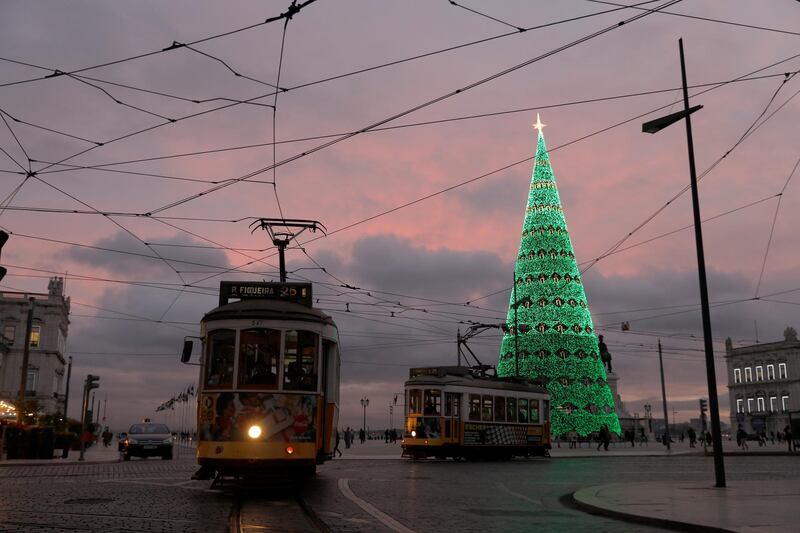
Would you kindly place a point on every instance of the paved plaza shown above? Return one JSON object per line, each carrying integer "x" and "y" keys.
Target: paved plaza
{"x": 372, "y": 489}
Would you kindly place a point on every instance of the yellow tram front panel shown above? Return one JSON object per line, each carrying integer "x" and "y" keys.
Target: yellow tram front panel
{"x": 423, "y": 431}
{"x": 259, "y": 426}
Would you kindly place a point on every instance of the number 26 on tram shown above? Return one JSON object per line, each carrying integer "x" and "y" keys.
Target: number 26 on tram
{"x": 269, "y": 381}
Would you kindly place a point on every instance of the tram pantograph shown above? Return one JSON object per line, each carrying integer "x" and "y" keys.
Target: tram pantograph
{"x": 268, "y": 394}
{"x": 460, "y": 412}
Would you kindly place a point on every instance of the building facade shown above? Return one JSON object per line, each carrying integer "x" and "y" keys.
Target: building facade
{"x": 46, "y": 373}
{"x": 764, "y": 384}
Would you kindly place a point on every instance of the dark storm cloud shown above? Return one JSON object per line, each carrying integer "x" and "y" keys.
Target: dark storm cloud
{"x": 131, "y": 256}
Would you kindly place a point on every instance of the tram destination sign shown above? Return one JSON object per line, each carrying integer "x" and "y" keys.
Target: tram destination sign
{"x": 249, "y": 290}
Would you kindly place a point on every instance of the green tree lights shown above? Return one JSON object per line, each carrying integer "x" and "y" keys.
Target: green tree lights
{"x": 556, "y": 339}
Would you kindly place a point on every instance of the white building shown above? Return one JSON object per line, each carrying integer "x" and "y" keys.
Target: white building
{"x": 46, "y": 380}
{"x": 764, "y": 383}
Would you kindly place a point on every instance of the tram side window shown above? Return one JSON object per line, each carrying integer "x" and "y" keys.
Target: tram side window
{"x": 433, "y": 402}
{"x": 259, "y": 350}
{"x": 221, "y": 348}
{"x": 474, "y": 407}
{"x": 486, "y": 414}
{"x": 534, "y": 408}
{"x": 414, "y": 401}
{"x": 511, "y": 409}
{"x": 300, "y": 360}
{"x": 499, "y": 409}
{"x": 522, "y": 403}
{"x": 452, "y": 405}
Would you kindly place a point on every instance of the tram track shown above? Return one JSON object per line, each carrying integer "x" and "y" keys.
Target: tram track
{"x": 288, "y": 513}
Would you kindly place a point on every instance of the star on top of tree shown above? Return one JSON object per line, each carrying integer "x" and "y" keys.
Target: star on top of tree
{"x": 539, "y": 124}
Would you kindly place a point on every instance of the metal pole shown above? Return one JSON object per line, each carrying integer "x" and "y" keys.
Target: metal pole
{"x": 713, "y": 403}
{"x": 66, "y": 393}
{"x": 663, "y": 396}
{"x": 26, "y": 351}
{"x": 84, "y": 405}
{"x": 516, "y": 327}
{"x": 282, "y": 258}
{"x": 458, "y": 346}
{"x": 91, "y": 420}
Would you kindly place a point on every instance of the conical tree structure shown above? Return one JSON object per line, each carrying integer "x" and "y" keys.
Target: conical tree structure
{"x": 551, "y": 335}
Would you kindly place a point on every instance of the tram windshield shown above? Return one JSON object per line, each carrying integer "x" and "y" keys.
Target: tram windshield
{"x": 300, "y": 360}
{"x": 221, "y": 349}
{"x": 259, "y": 351}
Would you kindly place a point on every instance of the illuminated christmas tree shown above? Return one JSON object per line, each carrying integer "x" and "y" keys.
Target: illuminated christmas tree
{"x": 551, "y": 335}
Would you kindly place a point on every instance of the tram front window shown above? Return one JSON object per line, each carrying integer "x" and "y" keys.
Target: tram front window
{"x": 433, "y": 402}
{"x": 258, "y": 360}
{"x": 414, "y": 402}
{"x": 219, "y": 367}
{"x": 534, "y": 406}
{"x": 522, "y": 403}
{"x": 300, "y": 360}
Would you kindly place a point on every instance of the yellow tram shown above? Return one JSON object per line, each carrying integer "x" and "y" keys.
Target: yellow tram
{"x": 460, "y": 412}
{"x": 268, "y": 392}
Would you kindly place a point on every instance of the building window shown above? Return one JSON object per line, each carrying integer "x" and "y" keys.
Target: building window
{"x": 759, "y": 373}
{"x": 773, "y": 403}
{"x": 33, "y": 377}
{"x": 770, "y": 371}
{"x": 737, "y": 375}
{"x": 36, "y": 333}
{"x": 760, "y": 403}
{"x": 749, "y": 405}
{"x": 782, "y": 371}
{"x": 9, "y": 332}
{"x": 785, "y": 403}
{"x": 748, "y": 374}
{"x": 739, "y": 405}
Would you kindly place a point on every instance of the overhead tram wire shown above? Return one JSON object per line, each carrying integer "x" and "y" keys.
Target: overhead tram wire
{"x": 44, "y": 128}
{"x": 486, "y": 16}
{"x": 293, "y": 9}
{"x": 413, "y": 109}
{"x": 254, "y": 99}
{"x": 408, "y": 125}
{"x": 749, "y": 131}
{"x": 705, "y": 19}
{"x": 772, "y": 227}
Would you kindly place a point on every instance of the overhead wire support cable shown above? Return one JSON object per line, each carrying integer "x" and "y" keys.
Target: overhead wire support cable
{"x": 293, "y": 9}
{"x": 487, "y": 16}
{"x": 413, "y": 109}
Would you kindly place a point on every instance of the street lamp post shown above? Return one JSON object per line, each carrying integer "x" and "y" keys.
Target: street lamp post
{"x": 652, "y": 127}
{"x": 364, "y": 404}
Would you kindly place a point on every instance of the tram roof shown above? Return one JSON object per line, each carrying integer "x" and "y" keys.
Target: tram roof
{"x": 441, "y": 376}
{"x": 269, "y": 310}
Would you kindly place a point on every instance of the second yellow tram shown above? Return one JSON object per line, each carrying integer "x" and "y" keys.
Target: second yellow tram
{"x": 461, "y": 413}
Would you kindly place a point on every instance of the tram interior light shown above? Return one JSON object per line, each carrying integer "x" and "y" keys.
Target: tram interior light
{"x": 413, "y": 433}
{"x": 254, "y": 431}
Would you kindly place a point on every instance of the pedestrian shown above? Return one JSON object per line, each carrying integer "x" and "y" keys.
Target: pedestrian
{"x": 787, "y": 434}
{"x": 741, "y": 438}
{"x": 680, "y": 438}
{"x": 347, "y": 438}
{"x": 692, "y": 437}
{"x": 362, "y": 435}
{"x": 772, "y": 436}
{"x": 386, "y": 436}
{"x": 336, "y": 448}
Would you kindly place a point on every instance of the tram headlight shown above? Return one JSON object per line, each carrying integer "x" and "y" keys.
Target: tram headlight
{"x": 413, "y": 433}
{"x": 254, "y": 431}
{"x": 289, "y": 450}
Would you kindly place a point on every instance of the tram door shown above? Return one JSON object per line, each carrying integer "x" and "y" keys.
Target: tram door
{"x": 452, "y": 416}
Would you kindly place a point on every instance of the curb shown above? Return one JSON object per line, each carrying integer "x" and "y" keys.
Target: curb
{"x": 580, "y": 502}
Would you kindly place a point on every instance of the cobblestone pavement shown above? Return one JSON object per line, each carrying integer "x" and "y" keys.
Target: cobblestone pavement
{"x": 141, "y": 495}
{"x": 524, "y": 495}
{"x": 352, "y": 496}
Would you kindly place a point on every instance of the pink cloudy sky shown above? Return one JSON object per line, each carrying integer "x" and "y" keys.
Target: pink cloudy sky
{"x": 454, "y": 247}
